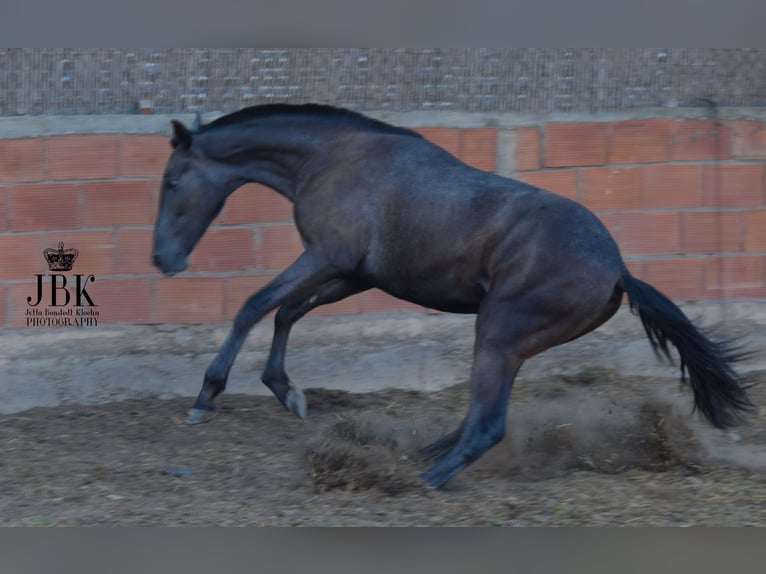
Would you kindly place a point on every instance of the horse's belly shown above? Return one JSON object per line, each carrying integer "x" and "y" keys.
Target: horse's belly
{"x": 439, "y": 294}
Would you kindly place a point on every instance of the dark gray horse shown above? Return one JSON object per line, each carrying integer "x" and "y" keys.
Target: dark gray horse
{"x": 379, "y": 206}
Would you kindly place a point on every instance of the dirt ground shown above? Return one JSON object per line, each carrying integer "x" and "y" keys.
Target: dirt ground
{"x": 597, "y": 449}
{"x": 599, "y": 432}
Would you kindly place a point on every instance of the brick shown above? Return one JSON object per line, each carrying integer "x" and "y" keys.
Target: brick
{"x": 635, "y": 268}
{"x": 188, "y": 300}
{"x": 22, "y": 160}
{"x": 747, "y": 140}
{"x": 96, "y": 250}
{"x": 134, "y": 251}
{"x": 83, "y": 157}
{"x": 699, "y": 140}
{"x": 143, "y": 156}
{"x": 277, "y": 246}
{"x": 611, "y": 188}
{"x": 733, "y": 185}
{"x": 238, "y": 289}
{"x": 376, "y": 301}
{"x": 4, "y": 311}
{"x": 560, "y": 182}
{"x": 728, "y": 277}
{"x": 119, "y": 203}
{"x": 712, "y": 232}
{"x": 678, "y": 279}
{"x": 224, "y": 250}
{"x": 446, "y": 138}
{"x": 650, "y": 233}
{"x": 639, "y": 141}
{"x": 527, "y": 149}
{"x": 478, "y": 148}
{"x": 22, "y": 257}
{"x": 41, "y": 207}
{"x": 672, "y": 186}
{"x": 575, "y": 144}
{"x": 123, "y": 300}
{"x": 255, "y": 203}
{"x": 755, "y": 231}
{"x": 5, "y": 209}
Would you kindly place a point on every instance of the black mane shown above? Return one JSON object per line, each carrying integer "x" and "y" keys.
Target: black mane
{"x": 340, "y": 115}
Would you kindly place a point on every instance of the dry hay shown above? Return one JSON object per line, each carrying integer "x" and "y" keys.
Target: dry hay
{"x": 360, "y": 454}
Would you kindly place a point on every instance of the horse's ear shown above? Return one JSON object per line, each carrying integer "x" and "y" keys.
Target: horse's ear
{"x": 182, "y": 137}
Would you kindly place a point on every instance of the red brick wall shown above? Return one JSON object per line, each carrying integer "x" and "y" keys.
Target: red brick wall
{"x": 687, "y": 207}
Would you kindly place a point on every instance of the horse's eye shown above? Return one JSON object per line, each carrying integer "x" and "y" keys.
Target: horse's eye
{"x": 170, "y": 183}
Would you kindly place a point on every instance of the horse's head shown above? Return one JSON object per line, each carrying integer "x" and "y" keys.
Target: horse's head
{"x": 193, "y": 193}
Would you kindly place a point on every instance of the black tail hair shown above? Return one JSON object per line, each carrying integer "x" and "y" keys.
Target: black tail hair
{"x": 718, "y": 391}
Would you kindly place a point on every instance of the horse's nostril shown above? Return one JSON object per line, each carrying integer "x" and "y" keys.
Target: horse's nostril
{"x": 156, "y": 260}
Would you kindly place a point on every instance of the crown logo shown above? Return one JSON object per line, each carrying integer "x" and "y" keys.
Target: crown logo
{"x": 60, "y": 259}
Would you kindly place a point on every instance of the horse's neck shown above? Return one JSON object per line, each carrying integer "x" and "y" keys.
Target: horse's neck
{"x": 272, "y": 156}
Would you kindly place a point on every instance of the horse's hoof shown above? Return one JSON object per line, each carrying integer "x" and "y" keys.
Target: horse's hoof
{"x": 198, "y": 416}
{"x": 295, "y": 401}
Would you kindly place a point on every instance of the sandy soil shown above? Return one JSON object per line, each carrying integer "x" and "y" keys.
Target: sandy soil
{"x": 594, "y": 449}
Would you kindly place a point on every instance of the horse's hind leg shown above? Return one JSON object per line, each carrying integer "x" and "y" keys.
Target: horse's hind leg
{"x": 493, "y": 372}
{"x": 441, "y": 446}
{"x": 507, "y": 333}
{"x": 546, "y": 338}
{"x": 274, "y": 375}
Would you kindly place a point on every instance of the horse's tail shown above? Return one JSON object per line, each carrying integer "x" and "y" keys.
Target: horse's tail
{"x": 718, "y": 390}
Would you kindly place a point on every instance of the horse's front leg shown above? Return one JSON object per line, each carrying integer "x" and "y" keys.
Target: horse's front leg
{"x": 274, "y": 375}
{"x": 302, "y": 278}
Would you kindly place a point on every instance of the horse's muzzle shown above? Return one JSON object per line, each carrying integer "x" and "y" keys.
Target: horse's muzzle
{"x": 168, "y": 268}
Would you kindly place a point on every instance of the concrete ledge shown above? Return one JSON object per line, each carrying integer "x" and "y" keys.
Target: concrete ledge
{"x": 43, "y": 367}
{"x": 39, "y": 126}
